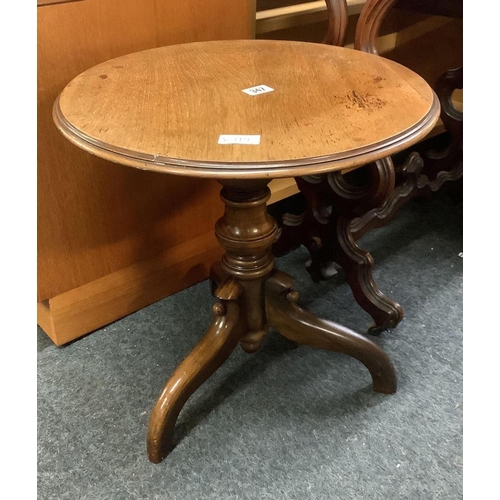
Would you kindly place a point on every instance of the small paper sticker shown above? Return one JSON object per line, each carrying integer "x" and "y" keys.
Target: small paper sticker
{"x": 258, "y": 89}
{"x": 239, "y": 139}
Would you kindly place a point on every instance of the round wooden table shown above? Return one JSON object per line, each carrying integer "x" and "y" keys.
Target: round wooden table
{"x": 245, "y": 112}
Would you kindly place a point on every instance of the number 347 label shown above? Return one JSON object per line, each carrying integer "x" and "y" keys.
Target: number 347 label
{"x": 259, "y": 89}
{"x": 239, "y": 139}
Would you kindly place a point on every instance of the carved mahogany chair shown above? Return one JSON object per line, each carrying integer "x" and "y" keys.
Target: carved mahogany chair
{"x": 426, "y": 169}
{"x": 333, "y": 203}
{"x": 342, "y": 206}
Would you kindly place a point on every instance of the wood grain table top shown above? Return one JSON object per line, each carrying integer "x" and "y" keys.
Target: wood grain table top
{"x": 166, "y": 109}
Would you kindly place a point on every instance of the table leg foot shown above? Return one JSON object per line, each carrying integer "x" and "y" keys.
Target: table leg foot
{"x": 358, "y": 265}
{"x": 303, "y": 327}
{"x": 214, "y": 348}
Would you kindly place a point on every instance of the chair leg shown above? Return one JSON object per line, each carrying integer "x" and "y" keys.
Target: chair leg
{"x": 357, "y": 265}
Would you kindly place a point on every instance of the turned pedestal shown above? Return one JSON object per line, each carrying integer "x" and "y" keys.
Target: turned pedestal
{"x": 252, "y": 298}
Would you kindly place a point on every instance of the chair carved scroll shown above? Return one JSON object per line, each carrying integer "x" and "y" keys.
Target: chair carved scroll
{"x": 334, "y": 201}
{"x": 342, "y": 208}
{"x": 443, "y": 161}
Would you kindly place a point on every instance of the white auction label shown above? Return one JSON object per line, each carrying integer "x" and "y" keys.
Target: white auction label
{"x": 258, "y": 89}
{"x": 239, "y": 139}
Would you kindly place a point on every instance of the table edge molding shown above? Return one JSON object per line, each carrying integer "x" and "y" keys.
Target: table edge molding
{"x": 250, "y": 170}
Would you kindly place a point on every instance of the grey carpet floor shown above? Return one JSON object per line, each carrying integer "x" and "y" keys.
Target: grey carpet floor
{"x": 287, "y": 422}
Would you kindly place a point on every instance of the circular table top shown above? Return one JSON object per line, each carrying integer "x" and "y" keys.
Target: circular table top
{"x": 176, "y": 109}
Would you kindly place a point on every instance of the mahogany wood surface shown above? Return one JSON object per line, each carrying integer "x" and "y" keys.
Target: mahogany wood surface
{"x": 158, "y": 109}
{"x": 332, "y": 108}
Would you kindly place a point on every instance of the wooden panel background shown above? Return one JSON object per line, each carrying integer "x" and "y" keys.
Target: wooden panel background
{"x": 96, "y": 218}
